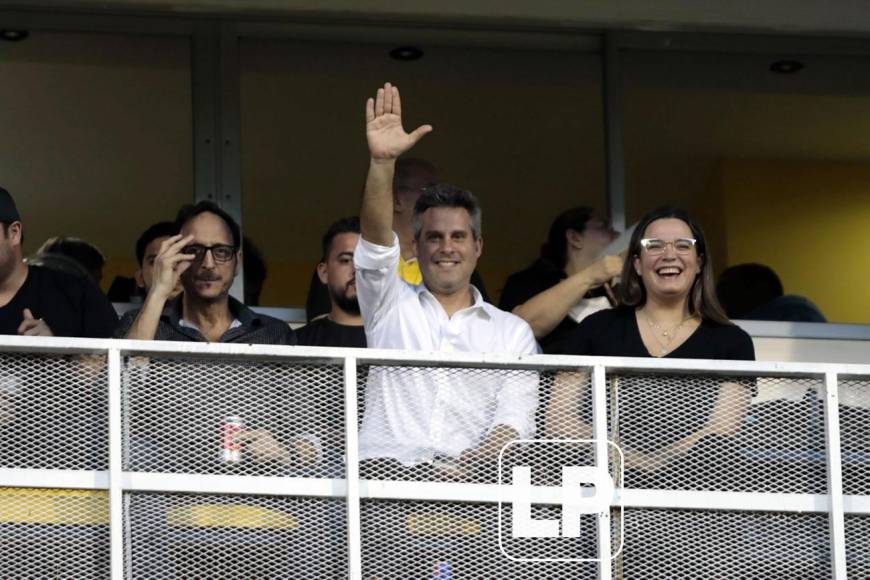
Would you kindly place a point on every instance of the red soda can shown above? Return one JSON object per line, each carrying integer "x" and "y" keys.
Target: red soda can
{"x": 231, "y": 448}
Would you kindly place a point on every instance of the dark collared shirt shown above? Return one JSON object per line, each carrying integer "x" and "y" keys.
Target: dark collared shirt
{"x": 254, "y": 328}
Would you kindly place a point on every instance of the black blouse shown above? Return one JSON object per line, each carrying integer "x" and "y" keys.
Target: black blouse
{"x": 656, "y": 411}
{"x": 615, "y": 333}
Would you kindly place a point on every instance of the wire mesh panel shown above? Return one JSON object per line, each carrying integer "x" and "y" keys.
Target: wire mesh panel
{"x": 451, "y": 425}
{"x": 854, "y": 411}
{"x": 858, "y": 546}
{"x": 233, "y": 416}
{"x": 443, "y": 424}
{"x": 708, "y": 432}
{"x": 54, "y": 533}
{"x": 176, "y": 536}
{"x": 671, "y": 544}
{"x": 54, "y": 411}
{"x": 406, "y": 539}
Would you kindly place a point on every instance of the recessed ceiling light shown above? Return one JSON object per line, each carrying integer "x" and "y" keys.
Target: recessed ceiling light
{"x": 786, "y": 67}
{"x": 406, "y": 53}
{"x": 13, "y": 35}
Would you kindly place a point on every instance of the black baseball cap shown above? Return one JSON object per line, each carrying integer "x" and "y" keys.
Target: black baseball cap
{"x": 8, "y": 211}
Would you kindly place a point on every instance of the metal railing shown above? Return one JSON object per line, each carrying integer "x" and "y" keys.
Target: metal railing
{"x": 111, "y": 465}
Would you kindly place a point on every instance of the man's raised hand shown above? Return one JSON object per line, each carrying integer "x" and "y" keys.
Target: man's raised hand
{"x": 386, "y": 137}
{"x": 170, "y": 264}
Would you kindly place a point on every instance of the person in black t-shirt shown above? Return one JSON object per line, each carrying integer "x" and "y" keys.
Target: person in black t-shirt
{"x": 343, "y": 326}
{"x": 568, "y": 282}
{"x": 669, "y": 310}
{"x": 39, "y": 301}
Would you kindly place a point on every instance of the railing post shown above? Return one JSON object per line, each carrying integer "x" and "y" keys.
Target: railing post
{"x": 835, "y": 477}
{"x": 599, "y": 430}
{"x": 116, "y": 494}
{"x": 354, "y": 535}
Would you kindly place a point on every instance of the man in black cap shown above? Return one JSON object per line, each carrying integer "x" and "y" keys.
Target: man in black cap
{"x": 36, "y": 301}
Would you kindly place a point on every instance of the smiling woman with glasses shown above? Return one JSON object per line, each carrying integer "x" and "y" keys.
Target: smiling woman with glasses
{"x": 675, "y": 432}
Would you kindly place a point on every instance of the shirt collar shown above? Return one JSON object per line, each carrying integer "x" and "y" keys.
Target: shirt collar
{"x": 242, "y": 315}
{"x": 479, "y": 303}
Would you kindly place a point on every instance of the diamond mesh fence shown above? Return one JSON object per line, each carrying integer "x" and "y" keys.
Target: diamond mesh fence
{"x": 194, "y": 415}
{"x": 233, "y": 416}
{"x": 54, "y": 533}
{"x": 54, "y": 411}
{"x": 54, "y": 415}
{"x": 712, "y": 433}
{"x": 858, "y": 546}
{"x": 724, "y": 544}
{"x": 231, "y": 536}
{"x": 854, "y": 396}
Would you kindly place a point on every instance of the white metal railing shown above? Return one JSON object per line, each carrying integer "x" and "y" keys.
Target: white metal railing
{"x": 353, "y": 490}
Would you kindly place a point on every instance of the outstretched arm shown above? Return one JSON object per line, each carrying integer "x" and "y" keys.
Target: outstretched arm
{"x": 387, "y": 140}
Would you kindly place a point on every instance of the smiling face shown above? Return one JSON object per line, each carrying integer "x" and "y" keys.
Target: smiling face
{"x": 446, "y": 249}
{"x": 670, "y": 274}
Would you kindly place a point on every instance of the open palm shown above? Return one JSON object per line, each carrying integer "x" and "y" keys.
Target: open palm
{"x": 386, "y": 137}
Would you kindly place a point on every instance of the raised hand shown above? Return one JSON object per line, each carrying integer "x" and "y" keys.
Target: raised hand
{"x": 170, "y": 264}
{"x": 604, "y": 270}
{"x": 386, "y": 137}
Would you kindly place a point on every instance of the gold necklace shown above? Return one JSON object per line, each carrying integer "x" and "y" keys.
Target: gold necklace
{"x": 669, "y": 334}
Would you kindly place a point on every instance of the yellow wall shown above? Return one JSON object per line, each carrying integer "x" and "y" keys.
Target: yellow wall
{"x": 808, "y": 220}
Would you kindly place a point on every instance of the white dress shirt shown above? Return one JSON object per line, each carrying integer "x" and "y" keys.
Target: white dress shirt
{"x": 412, "y": 414}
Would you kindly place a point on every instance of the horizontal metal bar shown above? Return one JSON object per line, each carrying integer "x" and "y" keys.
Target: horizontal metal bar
{"x": 856, "y": 504}
{"x": 797, "y": 330}
{"x": 724, "y": 500}
{"x": 233, "y": 484}
{"x": 59, "y": 345}
{"x": 54, "y": 478}
{"x": 419, "y": 491}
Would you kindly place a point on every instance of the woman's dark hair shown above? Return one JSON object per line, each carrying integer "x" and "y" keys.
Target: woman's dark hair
{"x": 702, "y": 296}
{"x": 555, "y": 249}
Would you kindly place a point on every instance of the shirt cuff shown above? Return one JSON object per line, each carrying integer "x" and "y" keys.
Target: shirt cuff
{"x": 369, "y": 256}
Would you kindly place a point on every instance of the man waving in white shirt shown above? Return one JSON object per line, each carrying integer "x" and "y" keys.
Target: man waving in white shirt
{"x": 458, "y": 419}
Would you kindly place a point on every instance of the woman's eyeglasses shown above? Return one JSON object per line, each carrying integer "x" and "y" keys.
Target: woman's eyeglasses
{"x": 656, "y": 247}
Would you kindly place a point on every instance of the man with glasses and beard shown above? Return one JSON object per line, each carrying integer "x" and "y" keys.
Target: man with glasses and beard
{"x": 205, "y": 256}
{"x": 343, "y": 326}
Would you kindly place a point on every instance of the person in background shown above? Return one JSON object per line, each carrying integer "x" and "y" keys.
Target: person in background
{"x": 40, "y": 301}
{"x": 343, "y": 326}
{"x": 255, "y": 272}
{"x": 754, "y": 292}
{"x": 84, "y": 253}
{"x": 147, "y": 248}
{"x": 568, "y": 281}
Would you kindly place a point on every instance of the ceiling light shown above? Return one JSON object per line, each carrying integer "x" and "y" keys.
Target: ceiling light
{"x": 13, "y": 35}
{"x": 406, "y": 53}
{"x": 786, "y": 67}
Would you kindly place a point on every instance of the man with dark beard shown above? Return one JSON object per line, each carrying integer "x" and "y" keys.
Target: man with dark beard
{"x": 343, "y": 326}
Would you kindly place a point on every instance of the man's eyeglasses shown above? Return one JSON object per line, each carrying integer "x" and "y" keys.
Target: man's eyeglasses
{"x": 220, "y": 252}
{"x": 656, "y": 247}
